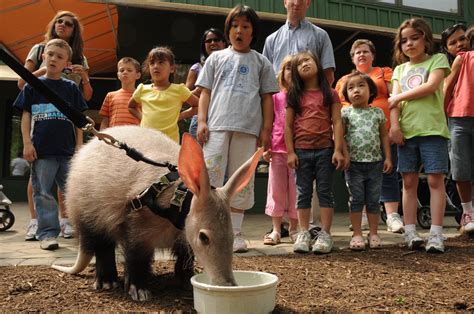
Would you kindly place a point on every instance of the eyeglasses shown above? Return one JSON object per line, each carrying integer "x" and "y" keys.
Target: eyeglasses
{"x": 65, "y": 22}
{"x": 213, "y": 40}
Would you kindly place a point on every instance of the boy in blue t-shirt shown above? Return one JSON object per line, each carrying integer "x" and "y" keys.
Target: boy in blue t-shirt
{"x": 49, "y": 138}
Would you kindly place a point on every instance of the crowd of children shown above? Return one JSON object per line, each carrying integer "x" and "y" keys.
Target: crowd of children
{"x": 305, "y": 133}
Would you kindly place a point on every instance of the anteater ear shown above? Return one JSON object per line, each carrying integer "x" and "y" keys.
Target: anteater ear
{"x": 191, "y": 166}
{"x": 242, "y": 176}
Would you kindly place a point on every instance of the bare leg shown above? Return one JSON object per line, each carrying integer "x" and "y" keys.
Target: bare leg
{"x": 391, "y": 207}
{"x": 410, "y": 197}
{"x": 303, "y": 218}
{"x": 326, "y": 218}
{"x": 373, "y": 222}
{"x": 464, "y": 190}
{"x": 276, "y": 221}
{"x": 437, "y": 198}
{"x": 356, "y": 221}
{"x": 293, "y": 225}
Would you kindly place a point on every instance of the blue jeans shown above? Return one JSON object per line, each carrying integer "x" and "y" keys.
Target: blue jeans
{"x": 44, "y": 173}
{"x": 364, "y": 180}
{"x": 314, "y": 164}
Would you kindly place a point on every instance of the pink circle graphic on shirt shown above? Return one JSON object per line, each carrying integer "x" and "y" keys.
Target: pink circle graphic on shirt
{"x": 415, "y": 80}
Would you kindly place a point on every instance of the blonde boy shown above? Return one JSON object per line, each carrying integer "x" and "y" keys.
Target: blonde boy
{"x": 49, "y": 138}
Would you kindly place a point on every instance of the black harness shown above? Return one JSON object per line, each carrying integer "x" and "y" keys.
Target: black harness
{"x": 179, "y": 206}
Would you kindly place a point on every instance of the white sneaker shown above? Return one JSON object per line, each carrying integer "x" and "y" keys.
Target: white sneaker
{"x": 323, "y": 243}
{"x": 239, "y": 246}
{"x": 413, "y": 240}
{"x": 302, "y": 243}
{"x": 49, "y": 244}
{"x": 395, "y": 223}
{"x": 66, "y": 230}
{"x": 31, "y": 231}
{"x": 435, "y": 243}
{"x": 467, "y": 225}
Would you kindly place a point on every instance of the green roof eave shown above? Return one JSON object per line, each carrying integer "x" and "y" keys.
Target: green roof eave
{"x": 204, "y": 9}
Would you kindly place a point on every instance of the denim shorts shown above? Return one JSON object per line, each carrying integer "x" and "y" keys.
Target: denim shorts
{"x": 314, "y": 164}
{"x": 429, "y": 151}
{"x": 462, "y": 148}
{"x": 390, "y": 191}
{"x": 364, "y": 181}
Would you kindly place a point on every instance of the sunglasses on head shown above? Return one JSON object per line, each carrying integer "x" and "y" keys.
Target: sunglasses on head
{"x": 451, "y": 29}
{"x": 65, "y": 22}
{"x": 213, "y": 40}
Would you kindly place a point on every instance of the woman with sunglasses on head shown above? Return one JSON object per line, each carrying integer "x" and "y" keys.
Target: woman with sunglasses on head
{"x": 65, "y": 25}
{"x": 212, "y": 40}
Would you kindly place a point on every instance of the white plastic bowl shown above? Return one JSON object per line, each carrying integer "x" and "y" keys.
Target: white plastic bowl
{"x": 255, "y": 293}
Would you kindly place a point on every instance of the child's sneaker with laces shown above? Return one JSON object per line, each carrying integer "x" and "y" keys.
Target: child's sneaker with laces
{"x": 413, "y": 240}
{"x": 31, "y": 231}
{"x": 323, "y": 243}
{"x": 302, "y": 243}
{"x": 67, "y": 231}
{"x": 395, "y": 223}
{"x": 435, "y": 243}
{"x": 239, "y": 246}
{"x": 467, "y": 225}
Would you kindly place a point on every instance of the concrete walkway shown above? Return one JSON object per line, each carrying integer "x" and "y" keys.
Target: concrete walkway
{"x": 14, "y": 250}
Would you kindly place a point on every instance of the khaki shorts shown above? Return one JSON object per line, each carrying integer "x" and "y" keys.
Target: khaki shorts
{"x": 224, "y": 153}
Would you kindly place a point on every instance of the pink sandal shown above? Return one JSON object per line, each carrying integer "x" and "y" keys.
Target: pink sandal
{"x": 357, "y": 243}
{"x": 272, "y": 238}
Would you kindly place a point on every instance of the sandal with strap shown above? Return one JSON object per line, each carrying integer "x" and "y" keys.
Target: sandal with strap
{"x": 374, "y": 241}
{"x": 357, "y": 243}
{"x": 272, "y": 238}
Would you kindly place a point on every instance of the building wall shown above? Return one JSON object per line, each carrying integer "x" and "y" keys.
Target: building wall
{"x": 363, "y": 12}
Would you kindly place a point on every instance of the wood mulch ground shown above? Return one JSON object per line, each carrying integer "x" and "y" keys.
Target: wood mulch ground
{"x": 391, "y": 279}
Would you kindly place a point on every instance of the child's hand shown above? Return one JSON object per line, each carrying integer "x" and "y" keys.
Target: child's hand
{"x": 264, "y": 139}
{"x": 393, "y": 101}
{"x": 339, "y": 160}
{"x": 29, "y": 152}
{"x": 267, "y": 155}
{"x": 387, "y": 165}
{"x": 396, "y": 136}
{"x": 293, "y": 162}
{"x": 202, "y": 132}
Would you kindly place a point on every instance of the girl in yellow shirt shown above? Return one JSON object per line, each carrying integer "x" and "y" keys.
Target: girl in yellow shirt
{"x": 161, "y": 100}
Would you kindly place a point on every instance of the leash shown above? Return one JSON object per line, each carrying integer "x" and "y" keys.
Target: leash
{"x": 79, "y": 119}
